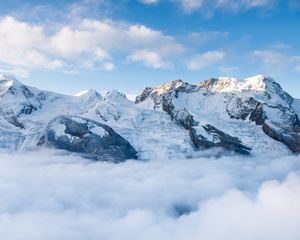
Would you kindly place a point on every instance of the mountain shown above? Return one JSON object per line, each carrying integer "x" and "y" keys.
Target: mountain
{"x": 231, "y": 113}
{"x": 251, "y": 116}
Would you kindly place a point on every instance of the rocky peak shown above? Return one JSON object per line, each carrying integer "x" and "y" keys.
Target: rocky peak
{"x": 262, "y": 85}
{"x": 167, "y": 90}
{"x": 168, "y": 86}
{"x": 257, "y": 83}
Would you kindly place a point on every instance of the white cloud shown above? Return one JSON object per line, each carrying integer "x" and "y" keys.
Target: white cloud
{"x": 149, "y": 1}
{"x": 277, "y": 59}
{"x": 297, "y": 68}
{"x": 204, "y": 60}
{"x": 205, "y": 37}
{"x": 141, "y": 37}
{"x": 270, "y": 57}
{"x": 224, "y": 5}
{"x": 150, "y": 59}
{"x": 21, "y": 45}
{"x": 191, "y": 5}
{"x": 244, "y": 5}
{"x": 108, "y": 66}
{"x": 86, "y": 44}
{"x": 281, "y": 45}
{"x": 50, "y": 196}
{"x": 294, "y": 5}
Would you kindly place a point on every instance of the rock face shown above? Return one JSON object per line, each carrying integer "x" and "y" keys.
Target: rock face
{"x": 91, "y": 139}
{"x": 220, "y": 139}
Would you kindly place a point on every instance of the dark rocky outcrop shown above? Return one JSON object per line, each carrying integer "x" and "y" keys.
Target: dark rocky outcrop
{"x": 221, "y": 139}
{"x": 87, "y": 137}
{"x": 291, "y": 138}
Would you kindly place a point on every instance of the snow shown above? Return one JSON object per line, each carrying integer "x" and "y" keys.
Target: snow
{"x": 131, "y": 96}
{"x": 5, "y": 85}
{"x": 114, "y": 95}
{"x": 228, "y": 84}
{"x": 99, "y": 131}
{"x": 59, "y": 129}
{"x": 84, "y": 92}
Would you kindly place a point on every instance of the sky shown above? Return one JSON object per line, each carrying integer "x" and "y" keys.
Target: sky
{"x": 69, "y": 46}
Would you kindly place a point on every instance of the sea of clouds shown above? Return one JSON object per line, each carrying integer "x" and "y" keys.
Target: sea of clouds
{"x": 45, "y": 195}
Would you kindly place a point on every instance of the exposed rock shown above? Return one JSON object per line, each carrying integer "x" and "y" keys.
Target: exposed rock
{"x": 258, "y": 115}
{"x": 12, "y": 119}
{"x": 89, "y": 138}
{"x": 241, "y": 108}
{"x": 290, "y": 138}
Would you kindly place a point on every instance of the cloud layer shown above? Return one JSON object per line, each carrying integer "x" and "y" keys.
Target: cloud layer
{"x": 86, "y": 44}
{"x": 53, "y": 196}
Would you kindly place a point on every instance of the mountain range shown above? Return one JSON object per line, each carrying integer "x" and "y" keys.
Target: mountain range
{"x": 217, "y": 116}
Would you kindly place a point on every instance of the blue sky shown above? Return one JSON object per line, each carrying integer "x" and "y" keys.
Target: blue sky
{"x": 69, "y": 46}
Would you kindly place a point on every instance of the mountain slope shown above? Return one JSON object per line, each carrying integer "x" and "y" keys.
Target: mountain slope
{"x": 248, "y": 116}
{"x": 246, "y": 109}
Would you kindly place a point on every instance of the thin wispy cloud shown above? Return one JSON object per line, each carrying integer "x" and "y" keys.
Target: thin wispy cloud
{"x": 204, "y": 60}
{"x": 275, "y": 60}
{"x": 230, "y": 6}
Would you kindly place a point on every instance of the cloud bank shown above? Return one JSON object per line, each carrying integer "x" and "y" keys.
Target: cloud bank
{"x": 50, "y": 196}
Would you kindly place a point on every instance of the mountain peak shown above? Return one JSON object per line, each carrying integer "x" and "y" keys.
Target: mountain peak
{"x": 229, "y": 84}
{"x": 6, "y": 82}
{"x": 264, "y": 85}
{"x": 6, "y": 77}
{"x": 88, "y": 94}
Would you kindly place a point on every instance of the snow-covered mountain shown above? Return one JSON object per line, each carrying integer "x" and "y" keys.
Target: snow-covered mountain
{"x": 250, "y": 116}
